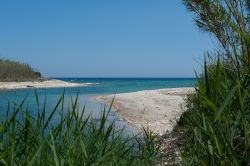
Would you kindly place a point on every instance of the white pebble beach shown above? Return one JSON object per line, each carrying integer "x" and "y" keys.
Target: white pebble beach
{"x": 159, "y": 110}
{"x": 53, "y": 83}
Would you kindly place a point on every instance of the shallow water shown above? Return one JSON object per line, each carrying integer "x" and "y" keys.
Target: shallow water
{"x": 101, "y": 86}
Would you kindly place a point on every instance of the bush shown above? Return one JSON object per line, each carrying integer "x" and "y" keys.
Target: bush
{"x": 218, "y": 114}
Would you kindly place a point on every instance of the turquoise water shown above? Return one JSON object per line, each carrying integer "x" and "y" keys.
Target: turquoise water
{"x": 100, "y": 86}
{"x": 120, "y": 85}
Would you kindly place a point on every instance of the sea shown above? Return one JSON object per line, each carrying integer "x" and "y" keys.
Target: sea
{"x": 10, "y": 99}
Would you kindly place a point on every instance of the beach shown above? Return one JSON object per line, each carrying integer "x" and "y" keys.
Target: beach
{"x": 157, "y": 110}
{"x": 53, "y": 83}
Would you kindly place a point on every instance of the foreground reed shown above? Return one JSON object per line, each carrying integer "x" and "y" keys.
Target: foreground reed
{"x": 74, "y": 140}
{"x": 218, "y": 118}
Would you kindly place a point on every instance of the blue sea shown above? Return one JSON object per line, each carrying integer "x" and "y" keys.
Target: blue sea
{"x": 99, "y": 86}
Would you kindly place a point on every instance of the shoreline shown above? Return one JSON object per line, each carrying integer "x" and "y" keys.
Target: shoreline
{"x": 158, "y": 110}
{"x": 53, "y": 83}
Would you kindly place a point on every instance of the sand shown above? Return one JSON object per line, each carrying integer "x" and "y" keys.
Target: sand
{"x": 53, "y": 83}
{"x": 158, "y": 110}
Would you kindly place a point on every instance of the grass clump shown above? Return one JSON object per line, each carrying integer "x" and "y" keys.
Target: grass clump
{"x": 75, "y": 140}
{"x": 16, "y": 71}
{"x": 217, "y": 120}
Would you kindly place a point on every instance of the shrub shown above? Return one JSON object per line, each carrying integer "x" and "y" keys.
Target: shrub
{"x": 218, "y": 114}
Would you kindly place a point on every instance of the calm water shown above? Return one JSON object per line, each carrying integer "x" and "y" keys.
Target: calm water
{"x": 101, "y": 86}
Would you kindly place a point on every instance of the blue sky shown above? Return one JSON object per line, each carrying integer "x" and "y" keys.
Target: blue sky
{"x": 102, "y": 38}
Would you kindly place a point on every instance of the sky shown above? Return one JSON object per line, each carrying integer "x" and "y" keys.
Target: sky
{"x": 103, "y": 38}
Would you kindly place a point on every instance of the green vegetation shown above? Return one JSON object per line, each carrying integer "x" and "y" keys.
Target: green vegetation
{"x": 15, "y": 71}
{"x": 217, "y": 123}
{"x": 75, "y": 140}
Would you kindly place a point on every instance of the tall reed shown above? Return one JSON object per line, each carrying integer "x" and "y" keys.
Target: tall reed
{"x": 217, "y": 120}
{"x": 75, "y": 140}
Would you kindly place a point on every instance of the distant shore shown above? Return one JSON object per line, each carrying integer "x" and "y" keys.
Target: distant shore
{"x": 53, "y": 83}
{"x": 159, "y": 110}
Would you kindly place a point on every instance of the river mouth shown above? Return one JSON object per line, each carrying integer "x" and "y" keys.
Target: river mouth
{"x": 98, "y": 86}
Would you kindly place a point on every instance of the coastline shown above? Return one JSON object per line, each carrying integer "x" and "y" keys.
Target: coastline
{"x": 158, "y": 110}
{"x": 53, "y": 83}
